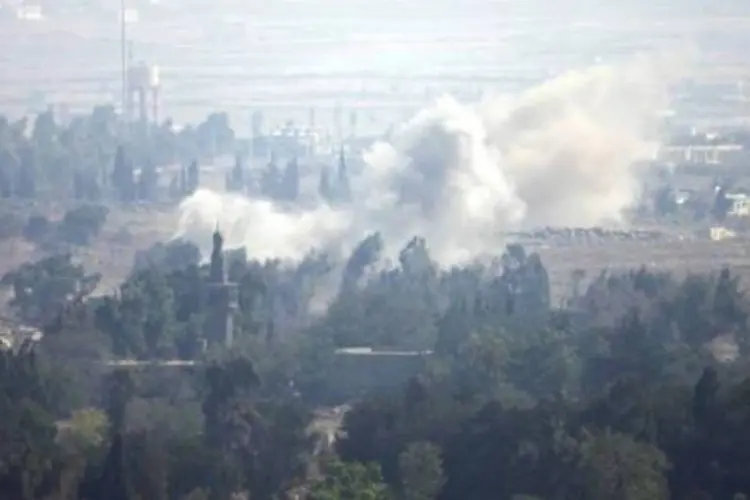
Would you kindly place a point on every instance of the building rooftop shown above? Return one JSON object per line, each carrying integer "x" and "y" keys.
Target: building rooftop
{"x": 369, "y": 351}
{"x": 704, "y": 147}
{"x": 134, "y": 363}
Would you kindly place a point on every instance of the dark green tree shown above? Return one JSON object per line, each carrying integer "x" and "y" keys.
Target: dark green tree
{"x": 421, "y": 469}
{"x": 353, "y": 481}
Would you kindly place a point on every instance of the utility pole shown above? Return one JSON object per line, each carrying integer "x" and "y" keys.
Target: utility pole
{"x": 123, "y": 60}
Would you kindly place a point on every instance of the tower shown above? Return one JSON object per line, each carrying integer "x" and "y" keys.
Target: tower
{"x": 222, "y": 297}
{"x": 344, "y": 190}
{"x": 143, "y": 86}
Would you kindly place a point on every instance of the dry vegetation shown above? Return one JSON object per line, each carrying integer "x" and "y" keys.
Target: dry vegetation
{"x": 691, "y": 254}
{"x": 130, "y": 229}
{"x": 127, "y": 230}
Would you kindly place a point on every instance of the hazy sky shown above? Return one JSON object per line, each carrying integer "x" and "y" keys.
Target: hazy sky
{"x": 211, "y": 51}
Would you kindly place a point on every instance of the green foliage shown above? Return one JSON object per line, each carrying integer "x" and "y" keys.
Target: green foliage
{"x": 85, "y": 432}
{"x": 80, "y": 225}
{"x": 11, "y": 225}
{"x": 617, "y": 397}
{"x": 350, "y": 481}
{"x": 27, "y": 431}
{"x": 421, "y": 469}
{"x": 97, "y": 156}
{"x": 37, "y": 228}
{"x": 616, "y": 466}
{"x": 43, "y": 290}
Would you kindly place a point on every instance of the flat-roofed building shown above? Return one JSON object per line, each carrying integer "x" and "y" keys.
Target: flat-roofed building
{"x": 710, "y": 154}
{"x": 358, "y": 370}
{"x": 740, "y": 204}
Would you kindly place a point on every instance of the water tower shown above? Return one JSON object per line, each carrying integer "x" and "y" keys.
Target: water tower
{"x": 143, "y": 86}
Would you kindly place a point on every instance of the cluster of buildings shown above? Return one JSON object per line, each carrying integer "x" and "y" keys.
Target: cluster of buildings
{"x": 701, "y": 165}
{"x": 703, "y": 154}
{"x": 14, "y": 336}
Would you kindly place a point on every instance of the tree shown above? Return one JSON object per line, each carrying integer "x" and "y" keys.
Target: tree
{"x": 236, "y": 178}
{"x": 80, "y": 225}
{"x": 113, "y": 481}
{"x": 148, "y": 466}
{"x": 119, "y": 390}
{"x": 282, "y": 450}
{"x": 705, "y": 397}
{"x": 722, "y": 204}
{"x": 146, "y": 308}
{"x": 214, "y": 136}
{"x": 192, "y": 178}
{"x": 350, "y": 481}
{"x": 42, "y": 290}
{"x": 421, "y": 471}
{"x": 325, "y": 190}
{"x": 85, "y": 433}
{"x": 231, "y": 421}
{"x": 616, "y": 467}
{"x": 27, "y": 430}
{"x": 290, "y": 181}
{"x": 148, "y": 182}
{"x": 344, "y": 190}
{"x": 480, "y": 365}
{"x": 27, "y": 174}
{"x": 271, "y": 182}
{"x": 44, "y": 130}
{"x": 122, "y": 176}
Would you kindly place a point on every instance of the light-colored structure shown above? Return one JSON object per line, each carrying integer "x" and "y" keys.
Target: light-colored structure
{"x": 720, "y": 233}
{"x": 711, "y": 154}
{"x": 144, "y": 85}
{"x": 369, "y": 351}
{"x": 14, "y": 335}
{"x": 740, "y": 204}
{"x": 164, "y": 363}
{"x": 358, "y": 370}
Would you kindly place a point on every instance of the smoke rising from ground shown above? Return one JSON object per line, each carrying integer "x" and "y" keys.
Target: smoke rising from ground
{"x": 566, "y": 152}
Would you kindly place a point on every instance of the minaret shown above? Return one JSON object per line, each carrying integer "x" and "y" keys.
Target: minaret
{"x": 344, "y": 190}
{"x": 217, "y": 272}
{"x": 222, "y": 296}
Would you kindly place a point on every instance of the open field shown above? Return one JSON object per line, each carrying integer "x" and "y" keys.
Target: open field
{"x": 112, "y": 255}
{"x": 679, "y": 257}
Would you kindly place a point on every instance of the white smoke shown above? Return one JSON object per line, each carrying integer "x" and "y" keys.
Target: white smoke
{"x": 564, "y": 153}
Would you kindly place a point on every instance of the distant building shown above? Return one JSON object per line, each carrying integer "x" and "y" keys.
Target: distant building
{"x": 740, "y": 204}
{"x": 14, "y": 335}
{"x": 135, "y": 363}
{"x": 709, "y": 154}
{"x": 720, "y": 233}
{"x": 288, "y": 141}
{"x": 358, "y": 370}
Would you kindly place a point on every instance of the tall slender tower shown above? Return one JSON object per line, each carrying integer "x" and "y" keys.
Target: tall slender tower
{"x": 222, "y": 297}
{"x": 124, "y": 61}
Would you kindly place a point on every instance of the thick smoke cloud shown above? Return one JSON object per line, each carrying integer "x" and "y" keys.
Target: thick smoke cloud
{"x": 567, "y": 152}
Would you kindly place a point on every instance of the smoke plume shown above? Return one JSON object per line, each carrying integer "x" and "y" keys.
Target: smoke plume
{"x": 567, "y": 152}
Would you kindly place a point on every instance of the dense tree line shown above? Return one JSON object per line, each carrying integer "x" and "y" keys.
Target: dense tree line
{"x": 622, "y": 393}
{"x": 96, "y": 157}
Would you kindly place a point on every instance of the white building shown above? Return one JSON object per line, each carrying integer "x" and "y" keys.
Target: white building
{"x": 714, "y": 154}
{"x": 740, "y": 204}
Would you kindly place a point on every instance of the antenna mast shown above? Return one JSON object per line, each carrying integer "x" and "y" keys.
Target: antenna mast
{"x": 123, "y": 60}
